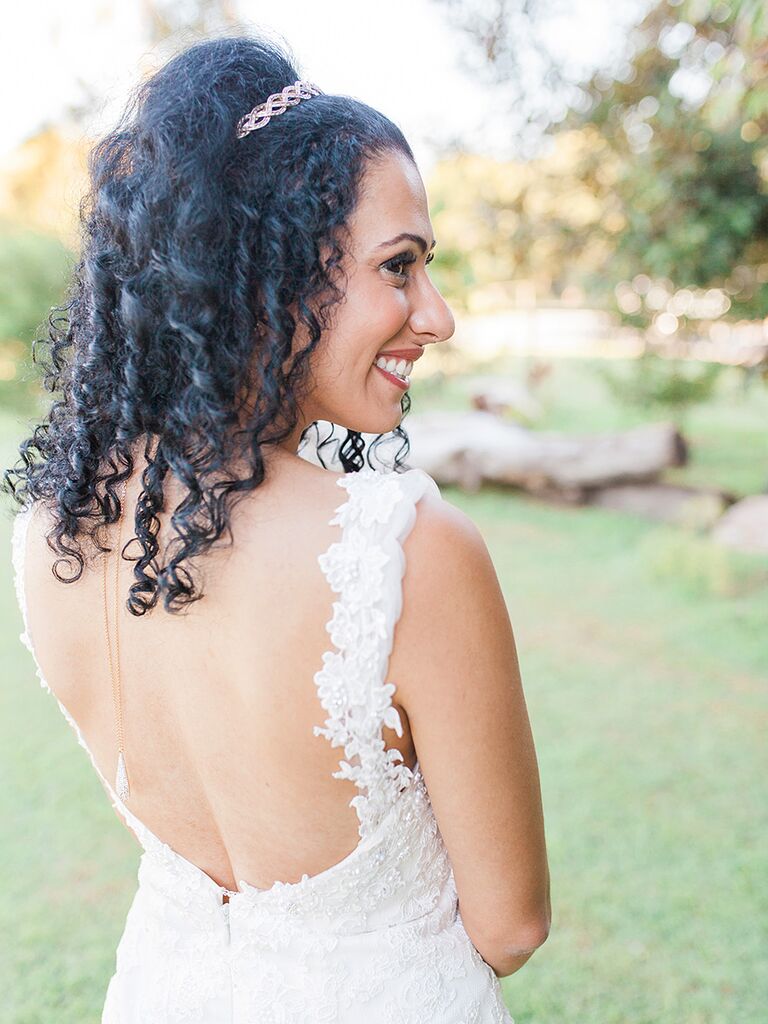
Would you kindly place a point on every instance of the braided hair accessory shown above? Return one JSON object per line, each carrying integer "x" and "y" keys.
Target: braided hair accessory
{"x": 276, "y": 104}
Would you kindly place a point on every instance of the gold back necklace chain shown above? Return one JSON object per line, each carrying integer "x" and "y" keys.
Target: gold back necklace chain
{"x": 122, "y": 787}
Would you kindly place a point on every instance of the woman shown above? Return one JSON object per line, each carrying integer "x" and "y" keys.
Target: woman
{"x": 335, "y": 828}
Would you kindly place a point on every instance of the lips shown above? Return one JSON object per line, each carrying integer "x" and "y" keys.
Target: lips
{"x": 411, "y": 354}
{"x": 399, "y": 382}
{"x": 398, "y": 367}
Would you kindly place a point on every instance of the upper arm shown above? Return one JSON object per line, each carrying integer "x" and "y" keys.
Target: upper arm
{"x": 458, "y": 680}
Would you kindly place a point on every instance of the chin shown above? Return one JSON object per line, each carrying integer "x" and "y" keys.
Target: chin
{"x": 382, "y": 423}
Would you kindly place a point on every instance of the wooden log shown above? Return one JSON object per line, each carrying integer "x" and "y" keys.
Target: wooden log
{"x": 669, "y": 503}
{"x": 745, "y": 525}
{"x": 469, "y": 448}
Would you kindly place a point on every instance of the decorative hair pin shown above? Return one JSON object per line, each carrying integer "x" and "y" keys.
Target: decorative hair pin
{"x": 276, "y": 104}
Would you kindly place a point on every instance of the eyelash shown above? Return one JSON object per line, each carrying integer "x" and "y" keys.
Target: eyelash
{"x": 403, "y": 260}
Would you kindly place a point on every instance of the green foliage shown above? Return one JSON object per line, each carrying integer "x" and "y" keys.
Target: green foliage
{"x": 693, "y": 216}
{"x": 33, "y": 275}
{"x": 34, "y": 269}
{"x": 700, "y": 567}
{"x": 653, "y": 381}
{"x": 686, "y": 123}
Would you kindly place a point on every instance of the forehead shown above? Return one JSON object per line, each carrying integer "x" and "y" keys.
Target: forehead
{"x": 392, "y": 199}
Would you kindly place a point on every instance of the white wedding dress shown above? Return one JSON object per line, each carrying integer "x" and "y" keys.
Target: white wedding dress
{"x": 375, "y": 939}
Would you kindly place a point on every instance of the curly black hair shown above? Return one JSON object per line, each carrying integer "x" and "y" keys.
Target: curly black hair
{"x": 195, "y": 247}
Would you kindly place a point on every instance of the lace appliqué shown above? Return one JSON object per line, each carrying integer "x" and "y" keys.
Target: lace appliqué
{"x": 349, "y": 685}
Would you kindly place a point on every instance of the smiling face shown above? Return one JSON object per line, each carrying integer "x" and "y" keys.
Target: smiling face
{"x": 390, "y": 303}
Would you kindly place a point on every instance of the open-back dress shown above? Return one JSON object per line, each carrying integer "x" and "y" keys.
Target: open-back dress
{"x": 375, "y": 939}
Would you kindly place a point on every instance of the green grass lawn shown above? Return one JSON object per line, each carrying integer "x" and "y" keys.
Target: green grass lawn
{"x": 645, "y": 663}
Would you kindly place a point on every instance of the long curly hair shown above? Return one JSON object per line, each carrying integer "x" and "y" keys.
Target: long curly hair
{"x": 195, "y": 247}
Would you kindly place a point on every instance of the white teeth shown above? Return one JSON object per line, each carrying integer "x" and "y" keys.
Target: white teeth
{"x": 400, "y": 367}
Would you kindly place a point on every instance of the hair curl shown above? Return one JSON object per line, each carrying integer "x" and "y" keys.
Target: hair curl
{"x": 194, "y": 245}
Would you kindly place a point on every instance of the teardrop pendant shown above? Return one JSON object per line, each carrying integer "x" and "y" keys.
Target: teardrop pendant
{"x": 121, "y": 783}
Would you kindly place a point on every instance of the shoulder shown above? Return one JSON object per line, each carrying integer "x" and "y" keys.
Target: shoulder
{"x": 448, "y": 571}
{"x": 443, "y": 535}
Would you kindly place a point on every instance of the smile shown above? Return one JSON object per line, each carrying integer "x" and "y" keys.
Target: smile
{"x": 397, "y": 368}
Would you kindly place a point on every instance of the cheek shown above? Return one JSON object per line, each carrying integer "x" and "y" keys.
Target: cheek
{"x": 369, "y": 319}
{"x": 384, "y": 318}
{"x": 367, "y": 327}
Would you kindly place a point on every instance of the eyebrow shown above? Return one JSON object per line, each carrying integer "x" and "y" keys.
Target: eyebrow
{"x": 421, "y": 242}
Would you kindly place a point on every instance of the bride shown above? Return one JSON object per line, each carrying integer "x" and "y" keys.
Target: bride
{"x": 293, "y": 671}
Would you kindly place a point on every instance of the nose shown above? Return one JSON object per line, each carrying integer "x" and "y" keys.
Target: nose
{"x": 431, "y": 314}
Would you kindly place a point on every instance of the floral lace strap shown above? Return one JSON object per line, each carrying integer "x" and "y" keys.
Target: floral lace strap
{"x": 365, "y": 568}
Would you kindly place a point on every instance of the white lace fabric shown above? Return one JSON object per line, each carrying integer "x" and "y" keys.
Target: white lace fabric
{"x": 376, "y": 937}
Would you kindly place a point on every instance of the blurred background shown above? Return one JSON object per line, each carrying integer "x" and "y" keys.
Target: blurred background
{"x": 598, "y": 183}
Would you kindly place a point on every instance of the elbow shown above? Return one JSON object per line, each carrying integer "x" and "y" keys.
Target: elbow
{"x": 526, "y": 941}
{"x": 508, "y": 955}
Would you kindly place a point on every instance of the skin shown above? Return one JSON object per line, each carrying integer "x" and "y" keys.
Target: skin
{"x": 385, "y": 307}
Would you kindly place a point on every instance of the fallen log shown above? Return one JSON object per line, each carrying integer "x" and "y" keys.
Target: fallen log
{"x": 696, "y": 507}
{"x": 470, "y": 448}
{"x": 745, "y": 525}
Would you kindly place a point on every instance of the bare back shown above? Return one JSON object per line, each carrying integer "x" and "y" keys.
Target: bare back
{"x": 219, "y": 703}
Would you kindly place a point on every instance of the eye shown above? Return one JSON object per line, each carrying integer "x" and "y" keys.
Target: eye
{"x": 397, "y": 264}
{"x": 403, "y": 260}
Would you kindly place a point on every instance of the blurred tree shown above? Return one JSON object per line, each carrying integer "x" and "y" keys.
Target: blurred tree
{"x": 672, "y": 150}
{"x": 672, "y": 384}
{"x": 520, "y": 49}
{"x": 501, "y": 221}
{"x": 512, "y": 52}
{"x": 167, "y": 20}
{"x": 687, "y": 128}
{"x": 41, "y": 183}
{"x": 33, "y": 272}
